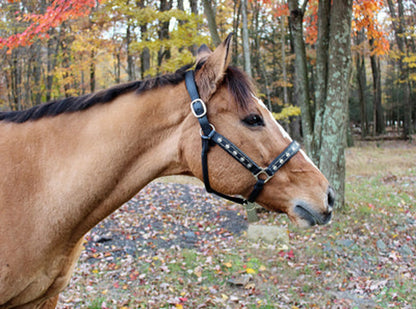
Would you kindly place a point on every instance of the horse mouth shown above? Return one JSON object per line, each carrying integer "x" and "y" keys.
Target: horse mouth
{"x": 311, "y": 216}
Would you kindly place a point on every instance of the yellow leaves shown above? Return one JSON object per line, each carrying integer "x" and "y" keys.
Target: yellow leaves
{"x": 250, "y": 271}
{"x": 411, "y": 60}
{"x": 287, "y": 112}
{"x": 228, "y": 264}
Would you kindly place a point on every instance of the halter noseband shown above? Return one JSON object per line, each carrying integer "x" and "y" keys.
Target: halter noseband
{"x": 210, "y": 137}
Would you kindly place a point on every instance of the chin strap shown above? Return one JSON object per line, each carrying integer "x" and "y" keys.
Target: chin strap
{"x": 210, "y": 137}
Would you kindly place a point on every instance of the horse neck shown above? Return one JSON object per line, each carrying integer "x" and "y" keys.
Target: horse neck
{"x": 111, "y": 151}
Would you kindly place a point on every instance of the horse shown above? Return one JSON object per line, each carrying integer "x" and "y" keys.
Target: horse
{"x": 68, "y": 164}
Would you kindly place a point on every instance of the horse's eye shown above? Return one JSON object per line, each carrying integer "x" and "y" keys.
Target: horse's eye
{"x": 254, "y": 120}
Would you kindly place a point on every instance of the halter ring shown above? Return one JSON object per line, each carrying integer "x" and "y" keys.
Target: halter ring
{"x": 210, "y": 135}
{"x": 263, "y": 172}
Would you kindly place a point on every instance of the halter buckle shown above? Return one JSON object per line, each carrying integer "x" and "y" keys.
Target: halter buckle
{"x": 263, "y": 172}
{"x": 194, "y": 109}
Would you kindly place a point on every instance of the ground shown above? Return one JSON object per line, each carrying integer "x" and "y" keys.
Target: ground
{"x": 174, "y": 246}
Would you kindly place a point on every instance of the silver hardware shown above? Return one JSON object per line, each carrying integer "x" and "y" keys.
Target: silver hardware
{"x": 202, "y": 133}
{"x": 204, "y": 107}
{"x": 219, "y": 140}
{"x": 263, "y": 172}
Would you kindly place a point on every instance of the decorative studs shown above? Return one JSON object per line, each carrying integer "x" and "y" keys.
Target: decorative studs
{"x": 219, "y": 140}
{"x": 249, "y": 165}
{"x": 281, "y": 161}
{"x": 234, "y": 152}
{"x": 227, "y": 146}
{"x": 275, "y": 168}
{"x": 242, "y": 159}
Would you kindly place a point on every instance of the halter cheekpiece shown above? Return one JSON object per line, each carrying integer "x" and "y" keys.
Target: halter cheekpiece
{"x": 210, "y": 137}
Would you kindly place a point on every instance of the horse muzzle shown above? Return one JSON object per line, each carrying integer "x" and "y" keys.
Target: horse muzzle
{"x": 309, "y": 215}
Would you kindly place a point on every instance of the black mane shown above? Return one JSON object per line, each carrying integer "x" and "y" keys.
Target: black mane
{"x": 238, "y": 84}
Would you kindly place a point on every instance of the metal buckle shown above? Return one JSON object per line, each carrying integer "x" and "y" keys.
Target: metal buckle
{"x": 263, "y": 171}
{"x": 204, "y": 108}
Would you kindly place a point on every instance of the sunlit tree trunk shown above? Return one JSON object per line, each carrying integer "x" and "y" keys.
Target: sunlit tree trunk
{"x": 322, "y": 43}
{"x": 246, "y": 43}
{"x": 335, "y": 117}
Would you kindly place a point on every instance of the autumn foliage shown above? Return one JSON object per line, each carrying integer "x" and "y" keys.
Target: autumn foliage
{"x": 365, "y": 17}
{"x": 55, "y": 14}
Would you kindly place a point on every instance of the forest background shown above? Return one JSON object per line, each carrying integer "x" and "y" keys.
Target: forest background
{"x": 54, "y": 49}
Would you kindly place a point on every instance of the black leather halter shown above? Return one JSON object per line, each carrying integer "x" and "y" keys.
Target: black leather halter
{"x": 210, "y": 137}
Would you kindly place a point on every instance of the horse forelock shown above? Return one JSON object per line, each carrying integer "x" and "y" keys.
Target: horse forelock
{"x": 240, "y": 87}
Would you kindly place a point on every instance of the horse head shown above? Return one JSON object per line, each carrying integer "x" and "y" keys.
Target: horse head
{"x": 298, "y": 188}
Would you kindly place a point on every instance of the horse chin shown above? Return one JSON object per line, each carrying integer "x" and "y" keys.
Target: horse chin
{"x": 307, "y": 217}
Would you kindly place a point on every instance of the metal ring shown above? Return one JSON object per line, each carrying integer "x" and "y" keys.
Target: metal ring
{"x": 263, "y": 171}
{"x": 209, "y": 136}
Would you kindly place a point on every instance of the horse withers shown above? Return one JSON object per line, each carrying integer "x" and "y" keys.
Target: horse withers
{"x": 68, "y": 164}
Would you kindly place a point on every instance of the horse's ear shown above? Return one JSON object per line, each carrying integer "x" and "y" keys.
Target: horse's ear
{"x": 212, "y": 72}
{"x": 203, "y": 53}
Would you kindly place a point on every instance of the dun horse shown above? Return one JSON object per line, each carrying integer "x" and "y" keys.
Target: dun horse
{"x": 68, "y": 164}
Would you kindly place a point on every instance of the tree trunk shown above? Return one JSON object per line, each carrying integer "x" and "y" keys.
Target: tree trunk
{"x": 362, "y": 86}
{"x": 246, "y": 43}
{"x": 301, "y": 79}
{"x": 164, "y": 52}
{"x": 52, "y": 56}
{"x": 36, "y": 85}
{"x": 194, "y": 9}
{"x": 92, "y": 70}
{"x": 322, "y": 44}
{"x": 335, "y": 120}
{"x": 145, "y": 55}
{"x": 378, "y": 113}
{"x": 212, "y": 24}
{"x": 283, "y": 51}
{"x": 130, "y": 57}
{"x": 398, "y": 26}
{"x": 236, "y": 26}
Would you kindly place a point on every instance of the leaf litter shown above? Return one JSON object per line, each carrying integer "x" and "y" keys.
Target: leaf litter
{"x": 175, "y": 246}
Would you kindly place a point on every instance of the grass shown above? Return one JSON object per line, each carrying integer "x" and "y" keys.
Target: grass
{"x": 364, "y": 259}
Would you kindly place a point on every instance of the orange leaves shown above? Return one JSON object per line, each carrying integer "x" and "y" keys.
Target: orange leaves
{"x": 365, "y": 14}
{"x": 311, "y": 19}
{"x": 58, "y": 12}
{"x": 281, "y": 9}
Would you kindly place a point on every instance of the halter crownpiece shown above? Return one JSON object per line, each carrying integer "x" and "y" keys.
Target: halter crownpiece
{"x": 210, "y": 137}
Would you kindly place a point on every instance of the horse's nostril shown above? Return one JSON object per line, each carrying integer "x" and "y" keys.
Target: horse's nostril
{"x": 331, "y": 197}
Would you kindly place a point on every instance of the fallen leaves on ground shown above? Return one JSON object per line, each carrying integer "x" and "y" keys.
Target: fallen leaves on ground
{"x": 175, "y": 246}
